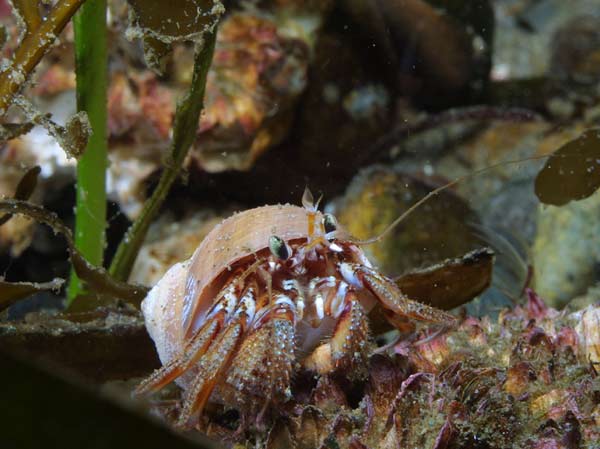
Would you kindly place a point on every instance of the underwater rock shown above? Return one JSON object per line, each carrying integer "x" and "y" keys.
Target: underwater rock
{"x": 130, "y": 118}
{"x": 513, "y": 222}
{"x": 125, "y": 180}
{"x": 433, "y": 49}
{"x": 140, "y": 111}
{"x": 140, "y": 108}
{"x": 503, "y": 196}
{"x": 565, "y": 263}
{"x": 336, "y": 122}
{"x": 438, "y": 230}
{"x": 57, "y": 78}
{"x": 576, "y": 50}
{"x": 337, "y": 119}
{"x": 534, "y": 22}
{"x": 258, "y": 71}
{"x": 586, "y": 299}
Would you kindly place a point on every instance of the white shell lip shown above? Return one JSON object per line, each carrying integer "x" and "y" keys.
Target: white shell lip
{"x": 162, "y": 311}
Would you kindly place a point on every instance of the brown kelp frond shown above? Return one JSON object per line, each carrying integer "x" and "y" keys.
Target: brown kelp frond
{"x": 161, "y": 24}
{"x": 572, "y": 172}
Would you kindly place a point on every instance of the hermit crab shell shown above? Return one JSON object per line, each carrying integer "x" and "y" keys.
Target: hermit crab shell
{"x": 162, "y": 312}
{"x": 177, "y": 305}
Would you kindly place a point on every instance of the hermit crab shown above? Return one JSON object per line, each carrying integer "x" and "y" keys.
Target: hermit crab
{"x": 268, "y": 291}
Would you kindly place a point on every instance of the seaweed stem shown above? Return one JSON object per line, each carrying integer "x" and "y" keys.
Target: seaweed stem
{"x": 92, "y": 78}
{"x": 184, "y": 132}
{"x": 29, "y": 12}
{"x": 95, "y": 277}
{"x": 34, "y": 45}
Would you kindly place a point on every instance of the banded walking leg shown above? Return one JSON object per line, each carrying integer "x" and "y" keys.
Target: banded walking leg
{"x": 192, "y": 352}
{"x": 210, "y": 369}
{"x": 348, "y": 345}
{"x": 262, "y": 368}
{"x": 198, "y": 344}
{"x": 390, "y": 296}
{"x": 217, "y": 359}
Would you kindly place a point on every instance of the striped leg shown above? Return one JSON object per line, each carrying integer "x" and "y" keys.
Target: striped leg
{"x": 211, "y": 368}
{"x": 262, "y": 369}
{"x": 217, "y": 360}
{"x": 349, "y": 340}
{"x": 198, "y": 344}
{"x": 390, "y": 296}
{"x": 347, "y": 346}
{"x": 193, "y": 351}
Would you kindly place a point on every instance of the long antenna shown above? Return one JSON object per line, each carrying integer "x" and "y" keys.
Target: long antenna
{"x": 440, "y": 189}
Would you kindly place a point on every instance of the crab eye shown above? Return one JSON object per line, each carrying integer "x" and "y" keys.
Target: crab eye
{"x": 279, "y": 248}
{"x": 329, "y": 223}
